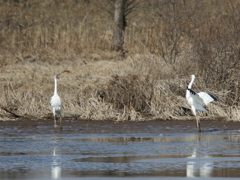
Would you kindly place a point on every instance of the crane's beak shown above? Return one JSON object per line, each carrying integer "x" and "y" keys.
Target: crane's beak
{"x": 65, "y": 71}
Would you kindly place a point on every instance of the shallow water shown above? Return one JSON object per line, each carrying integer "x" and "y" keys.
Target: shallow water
{"x": 43, "y": 152}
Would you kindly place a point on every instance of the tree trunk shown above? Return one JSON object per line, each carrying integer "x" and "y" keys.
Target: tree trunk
{"x": 119, "y": 25}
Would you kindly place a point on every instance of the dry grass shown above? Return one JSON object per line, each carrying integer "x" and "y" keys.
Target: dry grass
{"x": 42, "y": 38}
{"x": 131, "y": 89}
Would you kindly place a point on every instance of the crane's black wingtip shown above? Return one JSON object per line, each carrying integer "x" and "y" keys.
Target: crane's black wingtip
{"x": 192, "y": 91}
{"x": 214, "y": 97}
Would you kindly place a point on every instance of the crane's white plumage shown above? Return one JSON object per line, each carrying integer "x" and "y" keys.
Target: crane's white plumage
{"x": 56, "y": 103}
{"x": 196, "y": 100}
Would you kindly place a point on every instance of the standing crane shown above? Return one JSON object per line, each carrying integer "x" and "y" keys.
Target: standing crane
{"x": 56, "y": 103}
{"x": 196, "y": 100}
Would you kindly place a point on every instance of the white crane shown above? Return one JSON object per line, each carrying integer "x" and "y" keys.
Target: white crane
{"x": 196, "y": 100}
{"x": 56, "y": 103}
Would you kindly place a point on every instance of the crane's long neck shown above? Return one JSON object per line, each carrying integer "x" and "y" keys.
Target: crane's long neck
{"x": 55, "y": 86}
{"x": 190, "y": 84}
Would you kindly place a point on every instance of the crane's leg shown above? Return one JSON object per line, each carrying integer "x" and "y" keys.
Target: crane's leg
{"x": 54, "y": 117}
{"x": 198, "y": 123}
{"x": 60, "y": 122}
{"x": 55, "y": 124}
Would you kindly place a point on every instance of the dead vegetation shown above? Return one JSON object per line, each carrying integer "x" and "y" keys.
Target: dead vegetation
{"x": 42, "y": 38}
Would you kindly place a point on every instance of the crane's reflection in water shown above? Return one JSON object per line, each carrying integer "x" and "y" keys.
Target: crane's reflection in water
{"x": 56, "y": 163}
{"x": 199, "y": 166}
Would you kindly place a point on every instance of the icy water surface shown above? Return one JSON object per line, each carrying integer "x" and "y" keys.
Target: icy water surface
{"x": 140, "y": 152}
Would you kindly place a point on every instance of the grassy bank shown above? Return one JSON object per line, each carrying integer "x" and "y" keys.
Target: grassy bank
{"x": 42, "y": 38}
{"x": 139, "y": 87}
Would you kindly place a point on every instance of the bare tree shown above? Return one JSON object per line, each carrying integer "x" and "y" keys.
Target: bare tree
{"x": 119, "y": 10}
{"x": 119, "y": 25}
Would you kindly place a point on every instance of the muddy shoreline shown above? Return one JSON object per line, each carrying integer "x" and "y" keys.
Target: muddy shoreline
{"x": 107, "y": 126}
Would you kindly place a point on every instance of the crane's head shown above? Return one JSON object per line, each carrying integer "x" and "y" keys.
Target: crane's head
{"x": 56, "y": 76}
{"x": 192, "y": 76}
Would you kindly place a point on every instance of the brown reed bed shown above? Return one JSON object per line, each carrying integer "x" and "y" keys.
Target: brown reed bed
{"x": 42, "y": 38}
{"x": 131, "y": 89}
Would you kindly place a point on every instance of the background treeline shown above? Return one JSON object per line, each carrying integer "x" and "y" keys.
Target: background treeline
{"x": 163, "y": 40}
